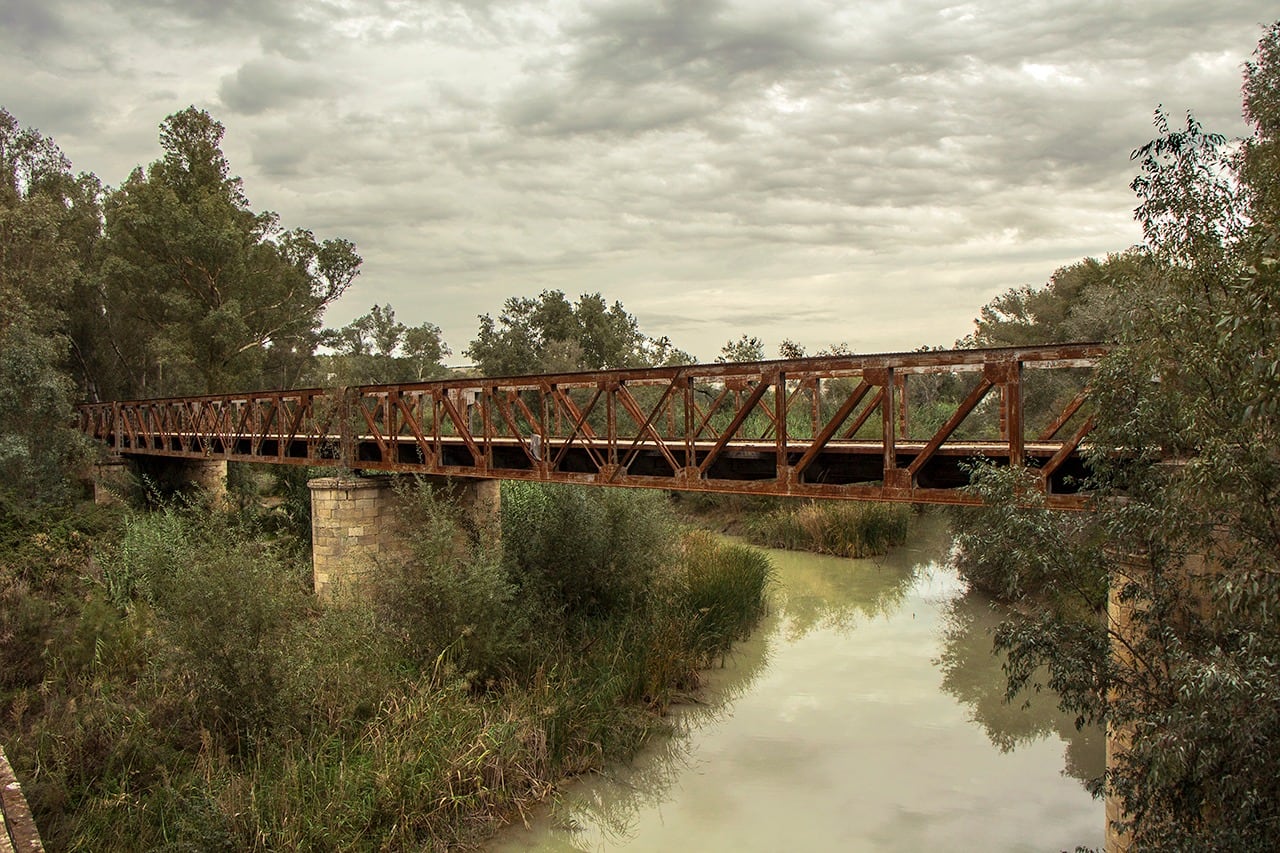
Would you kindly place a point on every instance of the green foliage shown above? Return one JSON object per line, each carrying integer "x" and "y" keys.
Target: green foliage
{"x": 722, "y": 589}
{"x": 477, "y": 622}
{"x": 375, "y": 348}
{"x": 790, "y": 349}
{"x": 152, "y": 546}
{"x": 38, "y": 449}
{"x": 552, "y": 335}
{"x": 845, "y": 529}
{"x": 224, "y": 618}
{"x": 1260, "y": 159}
{"x": 1081, "y": 302}
{"x": 179, "y": 689}
{"x": 44, "y": 212}
{"x": 584, "y": 552}
{"x": 1014, "y": 549}
{"x": 224, "y": 606}
{"x": 199, "y": 292}
{"x": 742, "y": 350}
{"x": 1187, "y": 514}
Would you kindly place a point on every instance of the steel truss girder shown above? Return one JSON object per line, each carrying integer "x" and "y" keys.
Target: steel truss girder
{"x": 802, "y": 427}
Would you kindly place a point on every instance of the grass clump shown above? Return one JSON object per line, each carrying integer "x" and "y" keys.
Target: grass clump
{"x": 722, "y": 589}
{"x": 842, "y": 528}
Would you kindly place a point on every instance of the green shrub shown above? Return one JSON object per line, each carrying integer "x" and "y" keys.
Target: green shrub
{"x": 1001, "y": 547}
{"x": 584, "y": 552}
{"x": 195, "y": 696}
{"x": 450, "y": 598}
{"x": 152, "y": 548}
{"x": 845, "y": 529}
{"x": 722, "y": 587}
{"x": 226, "y": 615}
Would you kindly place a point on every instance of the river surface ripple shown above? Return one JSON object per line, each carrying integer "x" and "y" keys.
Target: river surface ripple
{"x": 864, "y": 714}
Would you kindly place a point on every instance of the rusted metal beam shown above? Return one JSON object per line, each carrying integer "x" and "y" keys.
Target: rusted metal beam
{"x": 944, "y": 432}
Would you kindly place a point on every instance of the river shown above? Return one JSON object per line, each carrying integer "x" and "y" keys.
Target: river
{"x": 864, "y": 714}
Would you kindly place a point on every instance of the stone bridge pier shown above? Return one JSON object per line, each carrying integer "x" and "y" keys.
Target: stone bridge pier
{"x": 357, "y": 520}
{"x": 114, "y": 477}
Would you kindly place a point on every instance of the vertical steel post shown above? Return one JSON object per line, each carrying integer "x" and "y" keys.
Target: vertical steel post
{"x": 887, "y": 431}
{"x": 780, "y": 429}
{"x": 346, "y": 431}
{"x": 690, "y": 455}
{"x": 816, "y": 388}
{"x": 1008, "y": 376}
{"x": 486, "y": 423}
{"x": 900, "y": 395}
{"x": 611, "y": 418}
{"x": 1013, "y": 415}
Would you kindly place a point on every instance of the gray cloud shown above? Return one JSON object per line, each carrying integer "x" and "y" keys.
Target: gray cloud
{"x": 30, "y": 22}
{"x": 816, "y": 169}
{"x": 271, "y": 83}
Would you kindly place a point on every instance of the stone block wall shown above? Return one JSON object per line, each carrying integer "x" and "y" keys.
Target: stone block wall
{"x": 353, "y": 522}
{"x": 116, "y": 477}
{"x": 18, "y": 832}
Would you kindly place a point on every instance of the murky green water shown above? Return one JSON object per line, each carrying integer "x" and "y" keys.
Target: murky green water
{"x": 865, "y": 713}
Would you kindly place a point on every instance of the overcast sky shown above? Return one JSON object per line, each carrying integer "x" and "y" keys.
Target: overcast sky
{"x": 823, "y": 170}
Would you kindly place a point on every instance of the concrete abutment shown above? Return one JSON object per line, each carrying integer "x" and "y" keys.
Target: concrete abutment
{"x": 1190, "y": 581}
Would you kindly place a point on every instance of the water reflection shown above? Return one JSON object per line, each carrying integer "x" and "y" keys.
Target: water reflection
{"x": 605, "y": 808}
{"x": 829, "y": 729}
{"x": 822, "y": 592}
{"x": 975, "y": 676}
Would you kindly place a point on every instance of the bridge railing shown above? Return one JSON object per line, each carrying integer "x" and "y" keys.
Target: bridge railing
{"x": 891, "y": 426}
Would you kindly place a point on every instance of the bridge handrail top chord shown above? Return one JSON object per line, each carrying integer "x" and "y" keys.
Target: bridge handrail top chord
{"x": 904, "y": 363}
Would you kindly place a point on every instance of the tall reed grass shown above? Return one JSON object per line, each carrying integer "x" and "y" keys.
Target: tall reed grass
{"x": 843, "y": 528}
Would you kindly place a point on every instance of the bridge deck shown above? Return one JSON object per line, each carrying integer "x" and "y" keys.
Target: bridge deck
{"x": 841, "y": 427}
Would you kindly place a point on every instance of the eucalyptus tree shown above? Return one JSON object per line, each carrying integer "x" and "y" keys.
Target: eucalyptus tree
{"x": 376, "y": 347}
{"x": 1082, "y": 301}
{"x": 552, "y": 334}
{"x": 745, "y": 348}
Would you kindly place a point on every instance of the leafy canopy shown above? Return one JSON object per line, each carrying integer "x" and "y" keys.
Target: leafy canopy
{"x": 550, "y": 334}
{"x": 199, "y": 292}
{"x": 46, "y": 214}
{"x": 375, "y": 347}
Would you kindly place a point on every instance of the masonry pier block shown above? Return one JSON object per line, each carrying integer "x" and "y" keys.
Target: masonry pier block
{"x": 170, "y": 474}
{"x": 210, "y": 475}
{"x": 355, "y": 521}
{"x": 482, "y": 501}
{"x": 112, "y": 480}
{"x": 351, "y": 523}
{"x": 1194, "y": 578}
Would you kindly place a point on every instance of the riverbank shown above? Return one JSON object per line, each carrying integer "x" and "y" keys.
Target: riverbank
{"x": 171, "y": 682}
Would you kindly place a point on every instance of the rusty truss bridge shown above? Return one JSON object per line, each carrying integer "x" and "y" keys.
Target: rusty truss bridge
{"x": 898, "y": 427}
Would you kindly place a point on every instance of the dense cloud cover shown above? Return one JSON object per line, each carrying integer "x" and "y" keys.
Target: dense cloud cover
{"x": 823, "y": 170}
